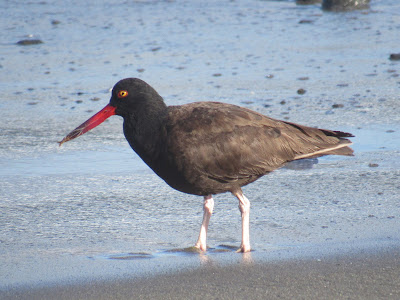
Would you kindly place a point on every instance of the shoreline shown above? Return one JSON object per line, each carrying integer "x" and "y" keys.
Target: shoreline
{"x": 355, "y": 274}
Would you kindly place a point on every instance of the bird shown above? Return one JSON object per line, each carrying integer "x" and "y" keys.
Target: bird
{"x": 208, "y": 148}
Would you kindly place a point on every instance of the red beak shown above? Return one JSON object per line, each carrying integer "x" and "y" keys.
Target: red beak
{"x": 94, "y": 121}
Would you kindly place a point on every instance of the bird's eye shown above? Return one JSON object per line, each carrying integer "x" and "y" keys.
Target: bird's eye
{"x": 122, "y": 94}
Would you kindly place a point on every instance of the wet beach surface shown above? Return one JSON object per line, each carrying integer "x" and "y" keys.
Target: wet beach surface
{"x": 92, "y": 211}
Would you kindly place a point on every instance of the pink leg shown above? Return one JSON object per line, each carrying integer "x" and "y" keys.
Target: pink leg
{"x": 244, "y": 207}
{"x": 208, "y": 207}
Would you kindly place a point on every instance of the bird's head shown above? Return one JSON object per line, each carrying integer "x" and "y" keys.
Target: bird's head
{"x": 129, "y": 96}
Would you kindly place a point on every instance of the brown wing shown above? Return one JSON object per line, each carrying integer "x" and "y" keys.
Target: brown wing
{"x": 228, "y": 143}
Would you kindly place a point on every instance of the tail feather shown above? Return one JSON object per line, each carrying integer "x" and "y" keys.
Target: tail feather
{"x": 339, "y": 134}
{"x": 339, "y": 148}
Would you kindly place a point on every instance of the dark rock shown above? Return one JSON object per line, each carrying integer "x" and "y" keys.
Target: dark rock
{"x": 342, "y": 85}
{"x": 307, "y": 2}
{"x": 394, "y": 56}
{"x": 29, "y": 42}
{"x": 337, "y": 105}
{"x": 344, "y": 5}
{"x": 301, "y": 91}
{"x": 306, "y": 22}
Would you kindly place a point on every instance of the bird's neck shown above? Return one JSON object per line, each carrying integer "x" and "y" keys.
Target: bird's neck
{"x": 144, "y": 131}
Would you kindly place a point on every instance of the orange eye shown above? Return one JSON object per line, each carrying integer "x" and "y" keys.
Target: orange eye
{"x": 122, "y": 94}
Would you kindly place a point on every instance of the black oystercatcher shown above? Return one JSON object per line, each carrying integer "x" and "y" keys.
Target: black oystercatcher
{"x": 207, "y": 148}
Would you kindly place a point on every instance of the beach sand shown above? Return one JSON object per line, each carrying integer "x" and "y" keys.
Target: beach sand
{"x": 356, "y": 276}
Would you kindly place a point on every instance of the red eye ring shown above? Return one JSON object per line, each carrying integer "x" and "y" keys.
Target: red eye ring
{"x": 122, "y": 94}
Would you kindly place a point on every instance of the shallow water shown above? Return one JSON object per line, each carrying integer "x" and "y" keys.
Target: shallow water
{"x": 92, "y": 209}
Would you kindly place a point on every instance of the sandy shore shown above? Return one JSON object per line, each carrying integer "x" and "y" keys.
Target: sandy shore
{"x": 372, "y": 275}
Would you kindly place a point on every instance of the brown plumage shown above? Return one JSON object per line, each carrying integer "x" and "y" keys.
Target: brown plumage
{"x": 220, "y": 147}
{"x": 208, "y": 148}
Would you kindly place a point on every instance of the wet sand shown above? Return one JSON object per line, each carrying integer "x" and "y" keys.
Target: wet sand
{"x": 365, "y": 275}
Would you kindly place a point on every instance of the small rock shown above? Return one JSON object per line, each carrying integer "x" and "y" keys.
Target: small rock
{"x": 306, "y": 22}
{"x": 217, "y": 74}
{"x": 342, "y": 85}
{"x": 55, "y": 22}
{"x": 373, "y": 165}
{"x": 301, "y": 91}
{"x": 140, "y": 70}
{"x": 303, "y": 78}
{"x": 337, "y": 105}
{"x": 29, "y": 42}
{"x": 344, "y": 5}
{"x": 283, "y": 102}
{"x": 307, "y": 2}
{"x": 394, "y": 56}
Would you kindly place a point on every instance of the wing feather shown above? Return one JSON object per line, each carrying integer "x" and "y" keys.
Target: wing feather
{"x": 228, "y": 143}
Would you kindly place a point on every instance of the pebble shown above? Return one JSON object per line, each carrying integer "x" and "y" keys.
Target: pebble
{"x": 394, "y": 56}
{"x": 306, "y": 22}
{"x": 337, "y": 105}
{"x": 342, "y": 85}
{"x": 29, "y": 42}
{"x": 307, "y": 2}
{"x": 301, "y": 91}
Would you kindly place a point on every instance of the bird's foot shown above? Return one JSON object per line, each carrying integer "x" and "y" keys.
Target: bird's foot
{"x": 201, "y": 247}
{"x": 243, "y": 249}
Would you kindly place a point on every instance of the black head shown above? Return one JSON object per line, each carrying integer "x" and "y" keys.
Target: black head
{"x": 132, "y": 95}
{"x": 131, "y": 98}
